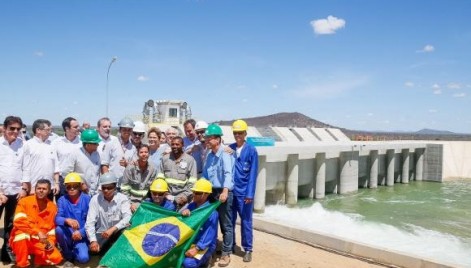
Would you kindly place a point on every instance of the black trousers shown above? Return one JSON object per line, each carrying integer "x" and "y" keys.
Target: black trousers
{"x": 9, "y": 208}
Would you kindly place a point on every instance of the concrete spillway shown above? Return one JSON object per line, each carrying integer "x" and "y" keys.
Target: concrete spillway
{"x": 292, "y": 170}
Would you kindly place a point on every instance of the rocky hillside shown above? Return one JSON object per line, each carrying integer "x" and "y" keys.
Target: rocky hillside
{"x": 280, "y": 120}
{"x": 300, "y": 120}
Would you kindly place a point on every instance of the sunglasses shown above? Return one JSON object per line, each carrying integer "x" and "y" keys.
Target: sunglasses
{"x": 138, "y": 134}
{"x": 14, "y": 128}
{"x": 157, "y": 193}
{"x": 109, "y": 188}
{"x": 72, "y": 186}
{"x": 198, "y": 193}
{"x": 200, "y": 132}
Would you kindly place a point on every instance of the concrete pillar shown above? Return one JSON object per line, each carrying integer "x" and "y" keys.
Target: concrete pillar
{"x": 373, "y": 181}
{"x": 260, "y": 190}
{"x": 390, "y": 160}
{"x": 405, "y": 166}
{"x": 419, "y": 164}
{"x": 348, "y": 172}
{"x": 292, "y": 181}
{"x": 320, "y": 175}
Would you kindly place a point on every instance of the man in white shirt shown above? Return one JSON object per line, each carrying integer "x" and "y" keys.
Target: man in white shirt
{"x": 11, "y": 159}
{"x": 86, "y": 161}
{"x": 65, "y": 146}
{"x": 118, "y": 154}
{"x": 104, "y": 129}
{"x": 108, "y": 214}
{"x": 40, "y": 158}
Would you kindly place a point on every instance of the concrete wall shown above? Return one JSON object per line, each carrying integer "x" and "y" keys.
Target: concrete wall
{"x": 292, "y": 170}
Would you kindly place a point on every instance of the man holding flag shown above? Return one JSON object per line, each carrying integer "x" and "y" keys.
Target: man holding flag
{"x": 205, "y": 241}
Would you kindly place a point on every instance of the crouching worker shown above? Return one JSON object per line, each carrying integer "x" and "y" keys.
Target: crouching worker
{"x": 33, "y": 228}
{"x": 70, "y": 221}
{"x": 158, "y": 195}
{"x": 199, "y": 254}
{"x": 108, "y": 214}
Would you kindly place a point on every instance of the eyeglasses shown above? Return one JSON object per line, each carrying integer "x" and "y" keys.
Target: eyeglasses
{"x": 108, "y": 188}
{"x": 139, "y": 134}
{"x": 14, "y": 128}
{"x": 199, "y": 132}
{"x": 198, "y": 193}
{"x": 46, "y": 129}
{"x": 157, "y": 193}
{"x": 72, "y": 186}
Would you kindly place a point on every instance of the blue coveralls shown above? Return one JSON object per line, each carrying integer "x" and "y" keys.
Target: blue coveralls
{"x": 205, "y": 239}
{"x": 245, "y": 180}
{"x": 72, "y": 250}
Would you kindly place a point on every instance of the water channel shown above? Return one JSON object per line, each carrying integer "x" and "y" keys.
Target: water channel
{"x": 427, "y": 219}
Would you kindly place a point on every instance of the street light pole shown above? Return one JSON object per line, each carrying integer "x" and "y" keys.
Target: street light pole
{"x": 107, "y": 80}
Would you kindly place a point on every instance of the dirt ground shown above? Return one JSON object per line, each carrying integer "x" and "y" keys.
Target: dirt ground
{"x": 271, "y": 251}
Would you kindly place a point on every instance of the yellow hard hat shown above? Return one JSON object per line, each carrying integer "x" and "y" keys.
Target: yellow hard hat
{"x": 159, "y": 185}
{"x": 203, "y": 185}
{"x": 72, "y": 178}
{"x": 239, "y": 126}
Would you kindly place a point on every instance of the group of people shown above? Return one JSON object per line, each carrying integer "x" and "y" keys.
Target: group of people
{"x": 98, "y": 180}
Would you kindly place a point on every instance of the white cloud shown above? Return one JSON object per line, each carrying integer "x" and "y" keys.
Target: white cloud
{"x": 432, "y": 111}
{"x": 409, "y": 84}
{"x": 453, "y": 86}
{"x": 327, "y": 26}
{"x": 436, "y": 86}
{"x": 427, "y": 48}
{"x": 142, "y": 78}
{"x": 459, "y": 95}
{"x": 38, "y": 53}
{"x": 437, "y": 91}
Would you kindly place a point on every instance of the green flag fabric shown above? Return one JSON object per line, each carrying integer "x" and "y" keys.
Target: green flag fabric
{"x": 157, "y": 237}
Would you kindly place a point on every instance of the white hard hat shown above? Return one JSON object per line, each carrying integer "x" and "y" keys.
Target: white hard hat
{"x": 201, "y": 125}
{"x": 139, "y": 127}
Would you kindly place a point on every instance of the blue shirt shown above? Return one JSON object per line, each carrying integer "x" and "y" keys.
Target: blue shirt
{"x": 196, "y": 151}
{"x": 218, "y": 169}
{"x": 66, "y": 209}
{"x": 208, "y": 233}
{"x": 156, "y": 156}
{"x": 245, "y": 170}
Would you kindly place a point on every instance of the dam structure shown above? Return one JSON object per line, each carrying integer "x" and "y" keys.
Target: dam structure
{"x": 313, "y": 162}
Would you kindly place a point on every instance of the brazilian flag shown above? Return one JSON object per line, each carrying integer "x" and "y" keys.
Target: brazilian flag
{"x": 156, "y": 238}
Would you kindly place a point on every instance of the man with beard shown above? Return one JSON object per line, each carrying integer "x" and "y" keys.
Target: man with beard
{"x": 179, "y": 171}
{"x": 104, "y": 129}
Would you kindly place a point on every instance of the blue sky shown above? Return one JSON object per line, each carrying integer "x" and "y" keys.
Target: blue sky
{"x": 369, "y": 65}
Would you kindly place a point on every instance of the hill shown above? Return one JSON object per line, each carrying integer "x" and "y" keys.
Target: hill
{"x": 280, "y": 120}
{"x": 296, "y": 119}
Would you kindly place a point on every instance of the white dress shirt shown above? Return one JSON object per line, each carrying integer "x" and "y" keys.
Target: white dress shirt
{"x": 11, "y": 160}
{"x": 40, "y": 161}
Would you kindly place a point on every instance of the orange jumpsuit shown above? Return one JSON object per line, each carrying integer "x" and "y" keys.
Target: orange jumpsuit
{"x": 27, "y": 223}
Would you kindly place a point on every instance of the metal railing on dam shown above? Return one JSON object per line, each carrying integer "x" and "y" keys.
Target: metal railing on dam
{"x": 291, "y": 170}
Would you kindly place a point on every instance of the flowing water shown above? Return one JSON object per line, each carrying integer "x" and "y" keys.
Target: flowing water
{"x": 427, "y": 219}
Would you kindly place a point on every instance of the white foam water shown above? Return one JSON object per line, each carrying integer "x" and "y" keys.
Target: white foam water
{"x": 410, "y": 239}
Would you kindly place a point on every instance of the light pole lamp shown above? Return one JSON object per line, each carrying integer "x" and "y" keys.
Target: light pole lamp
{"x": 107, "y": 80}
